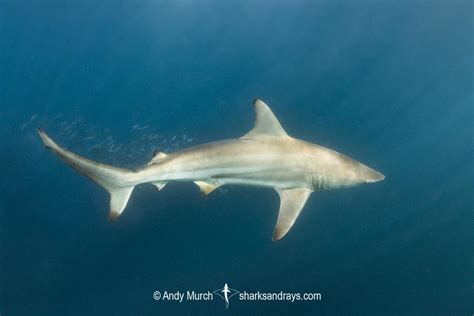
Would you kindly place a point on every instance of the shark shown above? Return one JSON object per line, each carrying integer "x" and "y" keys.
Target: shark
{"x": 266, "y": 156}
{"x": 226, "y": 292}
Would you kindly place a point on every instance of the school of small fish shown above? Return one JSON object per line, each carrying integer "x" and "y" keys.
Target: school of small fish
{"x": 99, "y": 142}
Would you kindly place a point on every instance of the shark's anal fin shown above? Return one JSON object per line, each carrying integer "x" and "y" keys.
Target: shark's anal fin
{"x": 266, "y": 123}
{"x": 158, "y": 157}
{"x": 206, "y": 186}
{"x": 292, "y": 202}
{"x": 159, "y": 185}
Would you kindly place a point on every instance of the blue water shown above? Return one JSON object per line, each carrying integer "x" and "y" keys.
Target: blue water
{"x": 389, "y": 83}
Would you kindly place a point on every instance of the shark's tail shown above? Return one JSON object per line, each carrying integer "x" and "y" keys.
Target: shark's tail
{"x": 118, "y": 182}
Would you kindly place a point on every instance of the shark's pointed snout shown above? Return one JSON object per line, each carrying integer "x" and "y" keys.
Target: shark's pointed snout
{"x": 362, "y": 173}
{"x": 375, "y": 176}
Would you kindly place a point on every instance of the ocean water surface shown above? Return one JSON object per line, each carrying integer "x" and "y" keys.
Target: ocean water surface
{"x": 388, "y": 83}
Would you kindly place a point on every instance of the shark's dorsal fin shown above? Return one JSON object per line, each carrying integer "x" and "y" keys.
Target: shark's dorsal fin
{"x": 158, "y": 156}
{"x": 206, "y": 186}
{"x": 292, "y": 202}
{"x": 266, "y": 123}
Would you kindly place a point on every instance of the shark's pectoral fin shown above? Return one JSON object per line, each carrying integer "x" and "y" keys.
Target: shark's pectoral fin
{"x": 206, "y": 186}
{"x": 266, "y": 123}
{"x": 292, "y": 202}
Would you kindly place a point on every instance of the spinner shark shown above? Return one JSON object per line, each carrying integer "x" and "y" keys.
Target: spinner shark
{"x": 266, "y": 156}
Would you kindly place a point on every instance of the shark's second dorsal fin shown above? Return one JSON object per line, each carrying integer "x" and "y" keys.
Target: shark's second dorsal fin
{"x": 266, "y": 123}
{"x": 158, "y": 156}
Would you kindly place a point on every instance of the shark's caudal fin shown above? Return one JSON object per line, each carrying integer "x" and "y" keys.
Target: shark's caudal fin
{"x": 116, "y": 181}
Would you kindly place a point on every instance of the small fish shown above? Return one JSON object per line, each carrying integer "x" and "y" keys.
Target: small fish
{"x": 26, "y": 124}
{"x": 139, "y": 127}
{"x": 57, "y": 116}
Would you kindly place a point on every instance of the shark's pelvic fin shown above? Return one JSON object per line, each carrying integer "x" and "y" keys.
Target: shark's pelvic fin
{"x": 115, "y": 180}
{"x": 292, "y": 202}
{"x": 158, "y": 157}
{"x": 206, "y": 186}
{"x": 266, "y": 123}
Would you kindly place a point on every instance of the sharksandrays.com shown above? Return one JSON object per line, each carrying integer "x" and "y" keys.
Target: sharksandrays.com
{"x": 226, "y": 294}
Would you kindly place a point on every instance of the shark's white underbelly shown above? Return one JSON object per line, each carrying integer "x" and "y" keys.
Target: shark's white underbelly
{"x": 232, "y": 162}
{"x": 235, "y": 174}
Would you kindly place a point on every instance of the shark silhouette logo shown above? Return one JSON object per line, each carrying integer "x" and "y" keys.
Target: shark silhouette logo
{"x": 226, "y": 293}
